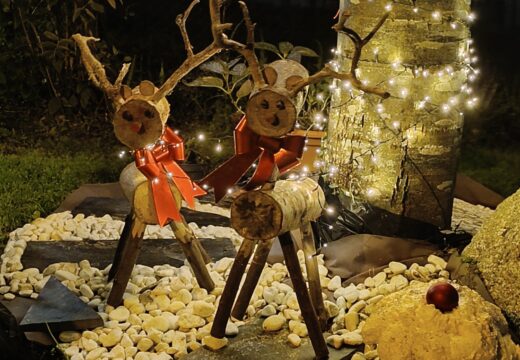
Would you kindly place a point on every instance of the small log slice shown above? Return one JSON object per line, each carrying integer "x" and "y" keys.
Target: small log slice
{"x": 138, "y": 121}
{"x": 271, "y": 112}
{"x": 263, "y": 215}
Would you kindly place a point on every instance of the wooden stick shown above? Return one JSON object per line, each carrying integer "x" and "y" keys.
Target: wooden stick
{"x": 253, "y": 275}
{"x": 121, "y": 244}
{"x": 129, "y": 254}
{"x": 218, "y": 330}
{"x": 180, "y": 20}
{"x": 304, "y": 300}
{"x": 313, "y": 275}
{"x": 193, "y": 254}
{"x": 359, "y": 43}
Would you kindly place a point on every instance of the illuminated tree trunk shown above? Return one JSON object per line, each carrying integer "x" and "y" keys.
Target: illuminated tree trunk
{"x": 401, "y": 154}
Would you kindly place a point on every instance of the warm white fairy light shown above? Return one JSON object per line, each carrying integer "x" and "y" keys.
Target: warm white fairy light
{"x": 218, "y": 148}
{"x": 388, "y": 7}
{"x": 330, "y": 210}
{"x": 122, "y": 154}
{"x": 201, "y": 137}
{"x": 436, "y": 15}
{"x": 396, "y": 124}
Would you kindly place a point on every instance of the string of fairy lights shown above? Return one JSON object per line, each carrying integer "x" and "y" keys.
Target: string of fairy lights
{"x": 466, "y": 98}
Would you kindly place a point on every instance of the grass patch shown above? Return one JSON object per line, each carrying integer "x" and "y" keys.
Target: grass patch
{"x": 34, "y": 182}
{"x": 496, "y": 168}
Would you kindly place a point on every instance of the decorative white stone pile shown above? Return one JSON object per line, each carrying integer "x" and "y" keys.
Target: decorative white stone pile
{"x": 166, "y": 314}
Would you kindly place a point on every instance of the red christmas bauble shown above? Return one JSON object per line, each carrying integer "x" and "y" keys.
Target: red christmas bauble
{"x": 443, "y": 296}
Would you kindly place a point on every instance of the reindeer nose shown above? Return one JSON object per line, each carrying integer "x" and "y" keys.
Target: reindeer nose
{"x": 137, "y": 127}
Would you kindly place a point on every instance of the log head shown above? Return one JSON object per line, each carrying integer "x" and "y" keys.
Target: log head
{"x": 138, "y": 121}
{"x": 143, "y": 204}
{"x": 271, "y": 112}
{"x": 255, "y": 215}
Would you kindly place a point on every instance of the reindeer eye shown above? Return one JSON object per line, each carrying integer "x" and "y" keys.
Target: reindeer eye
{"x": 148, "y": 114}
{"x": 127, "y": 116}
{"x": 280, "y": 105}
{"x": 264, "y": 104}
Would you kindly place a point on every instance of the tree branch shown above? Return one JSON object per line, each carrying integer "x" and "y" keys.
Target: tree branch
{"x": 96, "y": 70}
{"x": 328, "y": 72}
{"x": 359, "y": 43}
{"x": 181, "y": 23}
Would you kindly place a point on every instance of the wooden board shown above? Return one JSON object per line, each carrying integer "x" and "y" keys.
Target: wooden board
{"x": 40, "y": 254}
{"x": 59, "y": 309}
{"x": 119, "y": 208}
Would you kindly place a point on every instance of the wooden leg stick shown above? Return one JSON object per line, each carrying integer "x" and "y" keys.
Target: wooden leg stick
{"x": 203, "y": 252}
{"x": 188, "y": 243}
{"x": 218, "y": 330}
{"x": 252, "y": 277}
{"x": 121, "y": 244}
{"x": 304, "y": 300}
{"x": 313, "y": 275}
{"x": 132, "y": 245}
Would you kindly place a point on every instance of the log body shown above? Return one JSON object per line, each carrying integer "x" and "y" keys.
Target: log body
{"x": 263, "y": 215}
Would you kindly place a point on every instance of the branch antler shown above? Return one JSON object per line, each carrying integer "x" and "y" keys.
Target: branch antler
{"x": 220, "y": 42}
{"x": 96, "y": 70}
{"x": 351, "y": 76}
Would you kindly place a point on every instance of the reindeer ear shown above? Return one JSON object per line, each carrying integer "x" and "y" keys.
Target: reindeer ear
{"x": 146, "y": 88}
{"x": 125, "y": 92}
{"x": 270, "y": 75}
{"x": 292, "y": 81}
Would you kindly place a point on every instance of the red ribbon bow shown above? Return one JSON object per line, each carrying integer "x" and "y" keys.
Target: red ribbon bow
{"x": 285, "y": 153}
{"x": 159, "y": 165}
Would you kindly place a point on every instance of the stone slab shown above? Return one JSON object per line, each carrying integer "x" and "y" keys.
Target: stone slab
{"x": 252, "y": 343}
{"x": 58, "y": 309}
{"x": 40, "y": 254}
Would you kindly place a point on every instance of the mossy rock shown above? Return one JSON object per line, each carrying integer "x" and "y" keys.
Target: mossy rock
{"x": 496, "y": 249}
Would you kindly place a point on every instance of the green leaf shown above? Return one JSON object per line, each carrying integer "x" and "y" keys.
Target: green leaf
{"x": 285, "y": 48}
{"x": 305, "y": 51}
{"x": 238, "y": 69}
{"x": 214, "y": 67}
{"x": 97, "y": 7}
{"x": 293, "y": 55}
{"x": 84, "y": 98}
{"x": 112, "y": 3}
{"x": 245, "y": 89}
{"x": 76, "y": 13}
{"x": 261, "y": 45}
{"x": 89, "y": 13}
{"x": 51, "y": 36}
{"x": 54, "y": 105}
{"x": 207, "y": 81}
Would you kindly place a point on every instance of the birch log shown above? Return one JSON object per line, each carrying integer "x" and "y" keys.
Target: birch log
{"x": 263, "y": 215}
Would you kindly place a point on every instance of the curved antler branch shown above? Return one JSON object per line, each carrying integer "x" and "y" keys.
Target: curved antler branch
{"x": 181, "y": 23}
{"x": 96, "y": 70}
{"x": 359, "y": 43}
{"x": 328, "y": 72}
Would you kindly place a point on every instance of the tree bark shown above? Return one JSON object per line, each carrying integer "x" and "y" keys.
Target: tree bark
{"x": 263, "y": 215}
{"x": 402, "y": 154}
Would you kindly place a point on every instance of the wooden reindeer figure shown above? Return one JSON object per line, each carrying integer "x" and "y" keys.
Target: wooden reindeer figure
{"x": 155, "y": 184}
{"x": 273, "y": 208}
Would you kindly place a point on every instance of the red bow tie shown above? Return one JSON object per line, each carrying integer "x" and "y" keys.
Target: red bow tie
{"x": 284, "y": 153}
{"x": 159, "y": 165}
